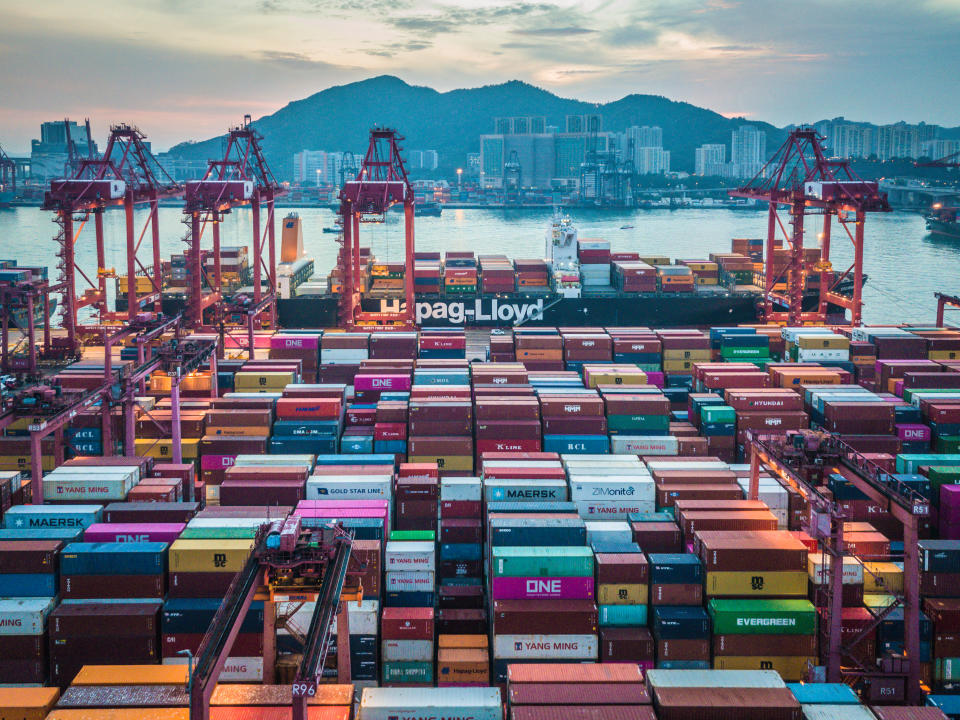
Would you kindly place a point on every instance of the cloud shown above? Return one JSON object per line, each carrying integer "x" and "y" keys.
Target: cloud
{"x": 390, "y": 49}
{"x": 452, "y": 19}
{"x": 555, "y": 32}
{"x": 632, "y": 35}
{"x": 298, "y": 61}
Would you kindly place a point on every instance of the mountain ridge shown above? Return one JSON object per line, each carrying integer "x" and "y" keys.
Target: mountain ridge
{"x": 451, "y": 122}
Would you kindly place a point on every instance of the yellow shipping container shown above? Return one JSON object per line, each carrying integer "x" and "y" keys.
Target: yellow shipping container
{"x": 27, "y": 703}
{"x": 454, "y": 463}
{"x": 890, "y": 574}
{"x": 622, "y": 594}
{"x": 262, "y": 381}
{"x": 129, "y": 713}
{"x": 707, "y": 281}
{"x": 757, "y": 584}
{"x": 143, "y": 284}
{"x": 943, "y": 354}
{"x": 823, "y": 342}
{"x": 676, "y": 366}
{"x": 792, "y": 668}
{"x": 617, "y": 378}
{"x": 131, "y": 675}
{"x": 163, "y": 449}
{"x": 209, "y": 555}
{"x": 462, "y": 641}
{"x": 655, "y": 259}
{"x": 19, "y": 463}
{"x": 695, "y": 355}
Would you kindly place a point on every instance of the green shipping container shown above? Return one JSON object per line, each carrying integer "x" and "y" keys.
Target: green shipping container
{"x": 218, "y": 533}
{"x": 414, "y": 535}
{"x": 762, "y": 617}
{"x": 946, "y": 669}
{"x": 623, "y": 615}
{"x": 910, "y": 462}
{"x": 638, "y": 422}
{"x": 946, "y": 444}
{"x": 542, "y": 562}
{"x": 910, "y": 394}
{"x": 747, "y": 353}
{"x": 718, "y": 414}
{"x": 407, "y": 672}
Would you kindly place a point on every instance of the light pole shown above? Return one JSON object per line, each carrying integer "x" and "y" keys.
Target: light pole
{"x": 459, "y": 180}
{"x": 318, "y": 177}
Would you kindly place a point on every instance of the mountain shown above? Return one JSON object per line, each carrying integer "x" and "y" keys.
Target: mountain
{"x": 451, "y": 123}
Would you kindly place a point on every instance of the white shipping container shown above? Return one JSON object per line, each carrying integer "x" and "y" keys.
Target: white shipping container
{"x": 222, "y": 522}
{"x": 236, "y": 669}
{"x": 98, "y": 470}
{"x": 616, "y": 531}
{"x": 406, "y": 651}
{"x": 638, "y": 489}
{"x": 343, "y": 356}
{"x": 644, "y": 445}
{"x": 362, "y": 487}
{"x": 410, "y": 555}
{"x": 837, "y": 712}
{"x": 364, "y": 618}
{"x": 461, "y": 489}
{"x": 453, "y": 703}
{"x": 292, "y": 460}
{"x": 714, "y": 679}
{"x": 819, "y": 571}
{"x": 25, "y": 616}
{"x": 410, "y": 581}
{"x": 655, "y": 465}
{"x": 817, "y": 354}
{"x": 614, "y": 509}
{"x": 501, "y": 464}
{"x": 103, "y": 489}
{"x": 545, "y": 647}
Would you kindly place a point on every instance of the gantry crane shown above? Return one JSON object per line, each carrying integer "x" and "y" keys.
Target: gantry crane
{"x": 241, "y": 177}
{"x": 8, "y": 173}
{"x": 286, "y": 558}
{"x": 800, "y": 177}
{"x": 803, "y": 459}
{"x": 381, "y": 183}
{"x": 126, "y": 175}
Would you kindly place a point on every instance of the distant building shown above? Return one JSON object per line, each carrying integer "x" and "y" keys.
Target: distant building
{"x": 710, "y": 159}
{"x": 422, "y": 160}
{"x": 49, "y": 155}
{"x": 651, "y": 161}
{"x": 939, "y": 149}
{"x": 643, "y": 146}
{"x": 182, "y": 170}
{"x": 898, "y": 141}
{"x": 748, "y": 150}
{"x": 524, "y": 125}
{"x": 584, "y": 123}
{"x": 321, "y": 167}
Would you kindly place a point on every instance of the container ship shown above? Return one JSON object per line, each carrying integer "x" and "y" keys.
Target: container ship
{"x": 578, "y": 282}
{"x": 943, "y": 221}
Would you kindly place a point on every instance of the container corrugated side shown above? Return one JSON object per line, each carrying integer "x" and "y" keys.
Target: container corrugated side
{"x": 837, "y": 712}
{"x": 714, "y": 679}
{"x": 390, "y": 703}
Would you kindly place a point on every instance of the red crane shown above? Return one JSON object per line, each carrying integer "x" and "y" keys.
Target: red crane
{"x": 127, "y": 175}
{"x": 801, "y": 178}
{"x": 241, "y": 177}
{"x": 381, "y": 183}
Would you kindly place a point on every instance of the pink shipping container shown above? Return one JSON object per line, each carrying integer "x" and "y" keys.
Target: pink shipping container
{"x": 381, "y": 382}
{"x": 133, "y": 532}
{"x": 555, "y": 588}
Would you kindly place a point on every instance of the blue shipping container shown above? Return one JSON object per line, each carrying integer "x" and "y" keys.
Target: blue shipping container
{"x": 116, "y": 558}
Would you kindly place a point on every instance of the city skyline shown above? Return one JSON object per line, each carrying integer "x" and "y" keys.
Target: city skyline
{"x": 181, "y": 81}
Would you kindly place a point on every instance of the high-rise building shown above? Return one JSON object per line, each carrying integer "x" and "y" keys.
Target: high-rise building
{"x": 651, "y": 161}
{"x": 748, "y": 150}
{"x": 898, "y": 141}
{"x": 311, "y": 167}
{"x": 430, "y": 160}
{"x": 645, "y": 136}
{"x": 49, "y": 155}
{"x": 710, "y": 159}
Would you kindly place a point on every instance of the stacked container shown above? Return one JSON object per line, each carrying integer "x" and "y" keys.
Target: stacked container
{"x": 23, "y": 637}
{"x": 407, "y": 623}
{"x": 460, "y": 273}
{"x": 679, "y": 623}
{"x": 573, "y": 422}
{"x": 594, "y": 257}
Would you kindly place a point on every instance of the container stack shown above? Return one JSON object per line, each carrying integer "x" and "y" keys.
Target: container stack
{"x": 574, "y": 690}
{"x": 442, "y": 344}
{"x": 640, "y": 347}
{"x": 675, "y": 279}
{"x": 532, "y": 275}
{"x": 744, "y": 570}
{"x": 574, "y": 422}
{"x": 341, "y": 355}
{"x": 303, "y": 347}
{"x": 634, "y": 277}
{"x": 705, "y": 272}
{"x": 539, "y": 351}
{"x": 407, "y": 624}
{"x": 23, "y": 623}
{"x": 716, "y": 694}
{"x": 681, "y": 349}
{"x": 440, "y": 430}
{"x": 718, "y": 424}
{"x": 586, "y": 347}
{"x": 680, "y": 625}
{"x": 506, "y": 423}
{"x": 610, "y": 488}
{"x": 594, "y": 257}
{"x": 496, "y": 274}
{"x": 390, "y": 702}
{"x": 460, "y": 273}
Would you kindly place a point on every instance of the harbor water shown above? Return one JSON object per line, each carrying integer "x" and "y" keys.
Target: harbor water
{"x": 905, "y": 263}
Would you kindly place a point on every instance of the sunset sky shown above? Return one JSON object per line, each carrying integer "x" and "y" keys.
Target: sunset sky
{"x": 187, "y": 69}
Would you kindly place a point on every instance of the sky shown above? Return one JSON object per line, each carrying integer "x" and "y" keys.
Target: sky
{"x": 189, "y": 69}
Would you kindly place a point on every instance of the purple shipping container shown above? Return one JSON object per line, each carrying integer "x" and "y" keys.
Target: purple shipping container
{"x": 557, "y": 588}
{"x": 381, "y": 382}
{"x": 133, "y": 532}
{"x": 286, "y": 342}
{"x": 217, "y": 462}
{"x": 913, "y": 433}
{"x": 950, "y": 503}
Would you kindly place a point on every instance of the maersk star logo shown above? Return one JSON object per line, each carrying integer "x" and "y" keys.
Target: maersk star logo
{"x": 19, "y": 522}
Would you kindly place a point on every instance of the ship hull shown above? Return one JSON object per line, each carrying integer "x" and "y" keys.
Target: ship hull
{"x": 944, "y": 228}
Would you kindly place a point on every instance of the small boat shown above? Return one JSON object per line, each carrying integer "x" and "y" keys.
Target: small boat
{"x": 331, "y": 229}
{"x": 626, "y": 227}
